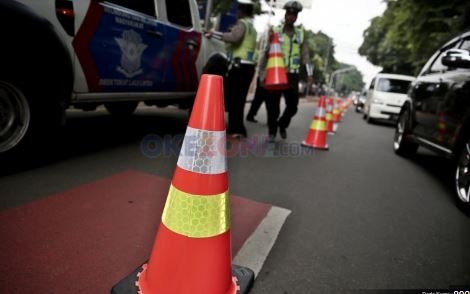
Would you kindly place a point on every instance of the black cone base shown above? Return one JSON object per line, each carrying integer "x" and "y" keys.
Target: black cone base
{"x": 245, "y": 279}
{"x": 127, "y": 285}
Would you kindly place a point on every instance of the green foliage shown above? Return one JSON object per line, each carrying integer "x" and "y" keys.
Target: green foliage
{"x": 346, "y": 82}
{"x": 409, "y": 31}
{"x": 322, "y": 50}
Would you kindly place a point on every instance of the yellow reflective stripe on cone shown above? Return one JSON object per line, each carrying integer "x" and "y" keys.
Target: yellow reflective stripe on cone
{"x": 196, "y": 216}
{"x": 274, "y": 62}
{"x": 318, "y": 125}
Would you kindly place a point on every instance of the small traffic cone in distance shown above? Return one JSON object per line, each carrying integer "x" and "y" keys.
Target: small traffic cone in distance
{"x": 336, "y": 111}
{"x": 317, "y": 134}
{"x": 276, "y": 77}
{"x": 329, "y": 117}
{"x": 339, "y": 103}
{"x": 335, "y": 114}
{"x": 192, "y": 250}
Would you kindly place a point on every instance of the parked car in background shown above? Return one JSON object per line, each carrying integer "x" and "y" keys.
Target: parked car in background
{"x": 354, "y": 97}
{"x": 386, "y": 95}
{"x": 361, "y": 100}
{"x": 437, "y": 115}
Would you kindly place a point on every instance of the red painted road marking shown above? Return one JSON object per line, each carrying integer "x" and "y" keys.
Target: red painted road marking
{"x": 86, "y": 239}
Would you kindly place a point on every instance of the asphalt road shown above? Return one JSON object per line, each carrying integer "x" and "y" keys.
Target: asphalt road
{"x": 362, "y": 217}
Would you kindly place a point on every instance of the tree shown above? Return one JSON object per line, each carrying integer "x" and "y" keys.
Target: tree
{"x": 346, "y": 82}
{"x": 322, "y": 52}
{"x": 409, "y": 31}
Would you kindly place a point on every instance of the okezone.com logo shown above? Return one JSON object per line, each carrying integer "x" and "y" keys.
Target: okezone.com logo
{"x": 154, "y": 146}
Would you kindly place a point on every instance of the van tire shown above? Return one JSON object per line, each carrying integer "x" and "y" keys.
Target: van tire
{"x": 15, "y": 117}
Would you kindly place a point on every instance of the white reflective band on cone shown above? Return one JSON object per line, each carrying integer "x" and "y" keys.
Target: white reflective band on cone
{"x": 321, "y": 112}
{"x": 203, "y": 152}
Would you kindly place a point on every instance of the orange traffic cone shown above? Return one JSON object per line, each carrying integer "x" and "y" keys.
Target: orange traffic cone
{"x": 316, "y": 136}
{"x": 191, "y": 253}
{"x": 329, "y": 116}
{"x": 334, "y": 116}
{"x": 276, "y": 77}
{"x": 336, "y": 111}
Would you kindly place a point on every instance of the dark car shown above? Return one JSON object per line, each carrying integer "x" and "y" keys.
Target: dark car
{"x": 361, "y": 101}
{"x": 437, "y": 115}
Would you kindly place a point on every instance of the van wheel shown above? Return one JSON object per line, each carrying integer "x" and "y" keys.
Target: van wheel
{"x": 121, "y": 108}
{"x": 402, "y": 144}
{"x": 15, "y": 116}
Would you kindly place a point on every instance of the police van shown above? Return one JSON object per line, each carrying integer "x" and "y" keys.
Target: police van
{"x": 57, "y": 54}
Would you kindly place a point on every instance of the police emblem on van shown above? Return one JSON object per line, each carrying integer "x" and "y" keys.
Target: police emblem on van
{"x": 131, "y": 48}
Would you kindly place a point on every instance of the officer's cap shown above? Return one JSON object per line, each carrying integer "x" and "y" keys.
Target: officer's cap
{"x": 293, "y": 7}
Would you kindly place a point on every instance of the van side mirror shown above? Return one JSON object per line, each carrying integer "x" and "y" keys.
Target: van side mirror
{"x": 456, "y": 58}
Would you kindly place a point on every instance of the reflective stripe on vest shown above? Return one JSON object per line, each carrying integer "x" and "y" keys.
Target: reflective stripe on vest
{"x": 245, "y": 50}
{"x": 291, "y": 48}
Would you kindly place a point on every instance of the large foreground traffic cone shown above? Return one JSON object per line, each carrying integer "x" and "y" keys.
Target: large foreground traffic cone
{"x": 192, "y": 253}
{"x": 276, "y": 77}
{"x": 317, "y": 134}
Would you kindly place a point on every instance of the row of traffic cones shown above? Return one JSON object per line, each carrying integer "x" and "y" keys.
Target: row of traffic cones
{"x": 325, "y": 121}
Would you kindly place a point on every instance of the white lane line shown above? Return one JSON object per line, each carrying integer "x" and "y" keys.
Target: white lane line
{"x": 257, "y": 247}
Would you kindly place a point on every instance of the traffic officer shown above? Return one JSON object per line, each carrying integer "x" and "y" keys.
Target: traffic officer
{"x": 241, "y": 40}
{"x": 295, "y": 54}
{"x": 260, "y": 93}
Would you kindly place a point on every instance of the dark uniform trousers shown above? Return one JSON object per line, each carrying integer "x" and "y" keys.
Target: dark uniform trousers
{"x": 273, "y": 105}
{"x": 237, "y": 84}
{"x": 258, "y": 99}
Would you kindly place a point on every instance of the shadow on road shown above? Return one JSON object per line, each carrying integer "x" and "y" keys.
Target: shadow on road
{"x": 86, "y": 133}
{"x": 443, "y": 171}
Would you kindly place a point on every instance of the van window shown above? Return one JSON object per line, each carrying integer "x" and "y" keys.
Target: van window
{"x": 143, "y": 6}
{"x": 372, "y": 84}
{"x": 393, "y": 86}
{"x": 179, "y": 12}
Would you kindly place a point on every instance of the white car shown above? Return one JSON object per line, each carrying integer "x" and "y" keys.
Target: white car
{"x": 386, "y": 96}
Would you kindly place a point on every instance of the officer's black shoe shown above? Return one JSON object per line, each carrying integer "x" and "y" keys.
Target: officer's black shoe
{"x": 251, "y": 119}
{"x": 283, "y": 133}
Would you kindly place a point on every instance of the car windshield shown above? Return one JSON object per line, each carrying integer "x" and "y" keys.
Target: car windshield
{"x": 393, "y": 86}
